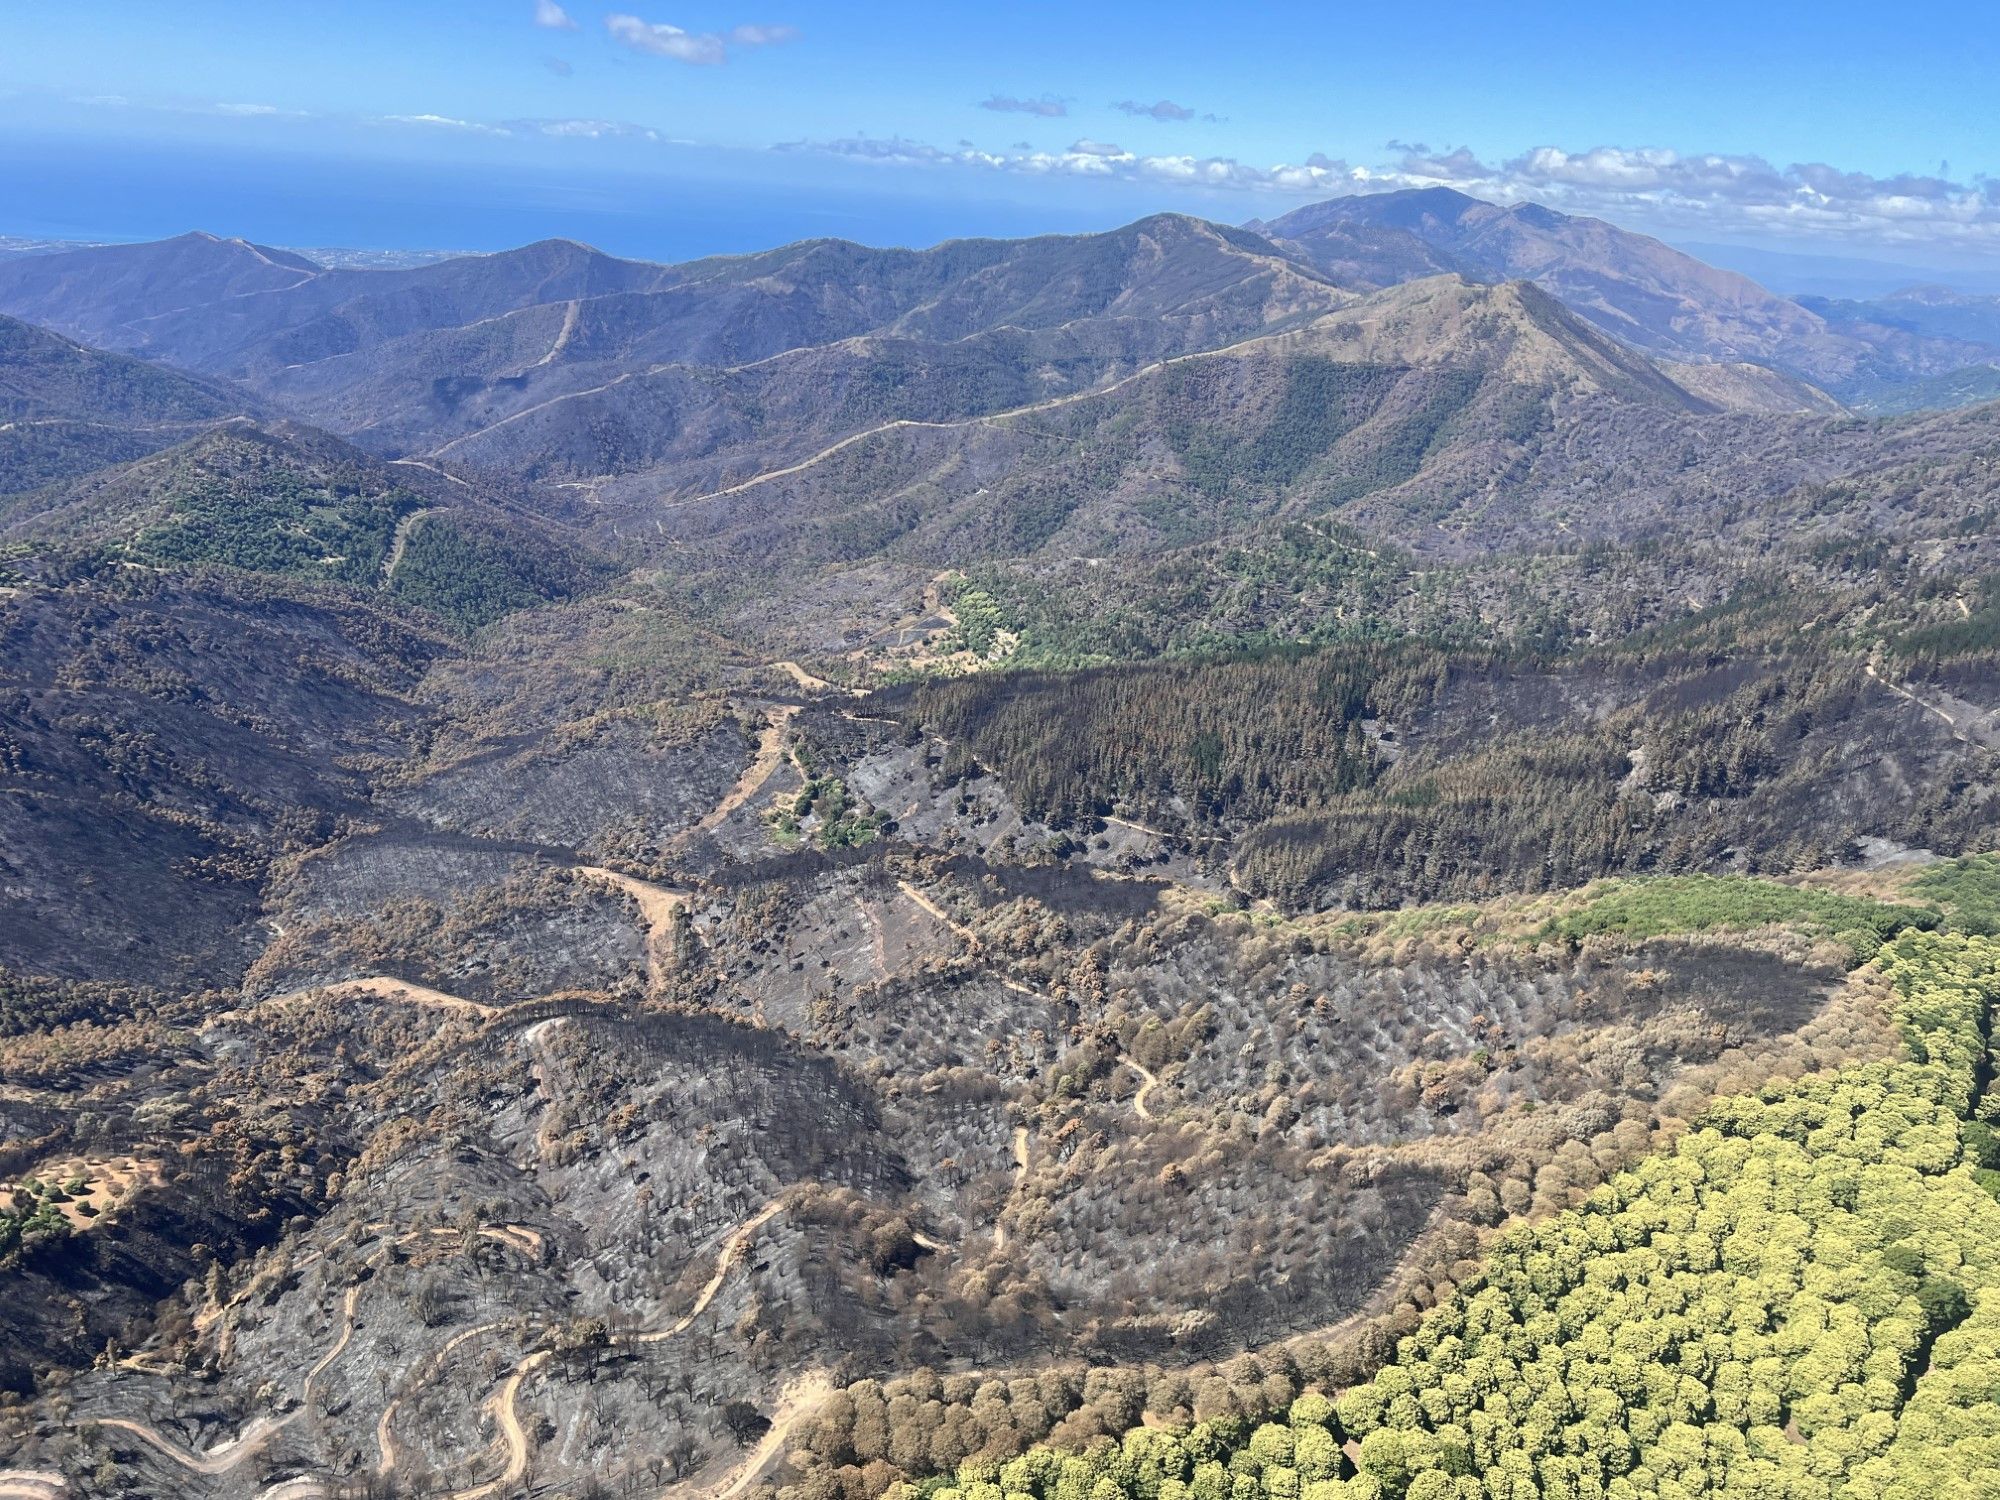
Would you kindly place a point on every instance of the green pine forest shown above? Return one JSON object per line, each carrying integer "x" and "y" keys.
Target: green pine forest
{"x": 1801, "y": 1301}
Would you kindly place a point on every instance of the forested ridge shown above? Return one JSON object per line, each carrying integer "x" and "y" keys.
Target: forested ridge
{"x": 1375, "y": 774}
{"x": 1801, "y": 1300}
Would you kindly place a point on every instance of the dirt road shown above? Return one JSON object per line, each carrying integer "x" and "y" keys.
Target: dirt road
{"x": 1147, "y": 1083}
{"x": 400, "y": 543}
{"x": 226, "y": 1456}
{"x": 506, "y": 1399}
{"x": 809, "y": 682}
{"x": 958, "y": 929}
{"x": 770, "y": 755}
{"x": 657, "y": 907}
{"x": 796, "y": 1402}
{"x": 1021, "y": 1143}
{"x": 403, "y": 990}
{"x": 1904, "y": 693}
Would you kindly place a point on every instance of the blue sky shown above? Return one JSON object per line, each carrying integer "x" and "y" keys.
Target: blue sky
{"x": 672, "y": 129}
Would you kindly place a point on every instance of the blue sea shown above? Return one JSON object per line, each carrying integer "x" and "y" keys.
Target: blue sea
{"x": 69, "y": 189}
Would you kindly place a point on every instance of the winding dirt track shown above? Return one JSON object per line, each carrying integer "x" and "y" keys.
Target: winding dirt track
{"x": 339, "y": 1346}
{"x": 385, "y": 1438}
{"x": 993, "y": 418}
{"x": 217, "y": 1460}
{"x": 796, "y": 1402}
{"x": 32, "y": 1484}
{"x": 505, "y": 1400}
{"x": 1147, "y": 1083}
{"x": 545, "y": 1072}
{"x": 226, "y": 1456}
{"x": 659, "y": 906}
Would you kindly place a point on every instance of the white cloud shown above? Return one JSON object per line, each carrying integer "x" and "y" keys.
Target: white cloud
{"x": 1713, "y": 191}
{"x": 1664, "y": 190}
{"x": 552, "y": 16}
{"x": 763, "y": 36}
{"x": 257, "y": 111}
{"x": 701, "y": 48}
{"x": 446, "y": 122}
{"x": 1165, "y": 109}
{"x": 583, "y": 130}
{"x": 1048, "y": 106}
{"x": 1088, "y": 158}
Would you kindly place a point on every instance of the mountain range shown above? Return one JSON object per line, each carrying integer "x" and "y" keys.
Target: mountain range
{"x": 998, "y": 870}
{"x": 557, "y": 365}
{"x": 410, "y": 360}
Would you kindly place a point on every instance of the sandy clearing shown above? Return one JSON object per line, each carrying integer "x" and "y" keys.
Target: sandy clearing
{"x": 111, "y": 1180}
{"x": 384, "y": 988}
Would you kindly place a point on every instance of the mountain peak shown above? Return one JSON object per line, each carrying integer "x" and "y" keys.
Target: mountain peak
{"x": 1538, "y": 215}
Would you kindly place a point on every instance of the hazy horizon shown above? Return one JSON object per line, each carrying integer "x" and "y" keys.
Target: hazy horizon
{"x": 110, "y": 194}
{"x": 455, "y": 125}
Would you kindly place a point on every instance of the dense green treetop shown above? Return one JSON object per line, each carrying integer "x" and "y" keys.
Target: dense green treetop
{"x": 1799, "y": 1302}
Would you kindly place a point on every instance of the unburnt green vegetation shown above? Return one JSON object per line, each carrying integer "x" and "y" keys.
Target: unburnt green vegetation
{"x": 1636, "y": 910}
{"x": 1968, "y": 888}
{"x": 1798, "y": 1299}
{"x": 276, "y": 523}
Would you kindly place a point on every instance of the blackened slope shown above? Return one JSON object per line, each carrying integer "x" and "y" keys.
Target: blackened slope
{"x": 162, "y": 740}
{"x": 66, "y": 410}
